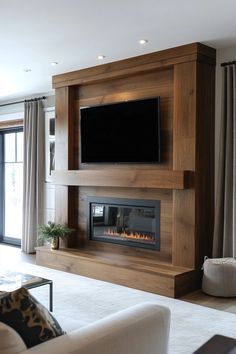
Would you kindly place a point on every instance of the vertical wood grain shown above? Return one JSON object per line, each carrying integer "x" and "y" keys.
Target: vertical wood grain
{"x": 65, "y": 158}
{"x": 205, "y": 161}
{"x": 193, "y": 144}
{"x": 184, "y": 130}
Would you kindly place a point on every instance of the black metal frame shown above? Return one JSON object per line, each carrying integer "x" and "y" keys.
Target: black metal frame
{"x": 228, "y": 63}
{"x": 42, "y": 282}
{"x": 5, "y": 239}
{"x": 156, "y": 204}
{"x": 23, "y": 101}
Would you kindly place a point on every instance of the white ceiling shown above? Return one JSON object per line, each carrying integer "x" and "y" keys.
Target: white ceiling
{"x": 73, "y": 32}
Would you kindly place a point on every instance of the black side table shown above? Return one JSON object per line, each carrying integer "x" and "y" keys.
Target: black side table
{"x": 218, "y": 345}
{"x": 12, "y": 280}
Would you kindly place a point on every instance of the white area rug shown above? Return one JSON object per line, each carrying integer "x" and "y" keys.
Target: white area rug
{"x": 88, "y": 300}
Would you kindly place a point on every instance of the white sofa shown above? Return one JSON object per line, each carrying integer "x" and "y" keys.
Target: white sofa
{"x": 141, "y": 329}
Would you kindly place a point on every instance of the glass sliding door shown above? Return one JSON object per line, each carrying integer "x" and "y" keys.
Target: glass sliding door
{"x": 11, "y": 185}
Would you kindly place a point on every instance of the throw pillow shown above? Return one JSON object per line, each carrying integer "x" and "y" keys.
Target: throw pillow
{"x": 10, "y": 341}
{"x": 34, "y": 323}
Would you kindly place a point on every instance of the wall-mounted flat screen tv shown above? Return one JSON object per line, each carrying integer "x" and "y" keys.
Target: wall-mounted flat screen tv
{"x": 121, "y": 132}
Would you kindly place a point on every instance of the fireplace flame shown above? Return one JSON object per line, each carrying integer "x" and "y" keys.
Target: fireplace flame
{"x": 129, "y": 235}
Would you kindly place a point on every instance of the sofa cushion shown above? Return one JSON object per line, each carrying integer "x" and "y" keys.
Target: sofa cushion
{"x": 34, "y": 323}
{"x": 69, "y": 323}
{"x": 10, "y": 341}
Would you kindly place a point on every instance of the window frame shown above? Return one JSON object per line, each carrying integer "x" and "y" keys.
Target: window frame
{"x": 3, "y": 238}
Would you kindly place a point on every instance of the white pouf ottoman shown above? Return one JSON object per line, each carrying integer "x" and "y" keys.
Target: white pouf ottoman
{"x": 219, "y": 277}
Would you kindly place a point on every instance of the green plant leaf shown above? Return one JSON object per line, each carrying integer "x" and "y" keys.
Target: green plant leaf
{"x": 52, "y": 230}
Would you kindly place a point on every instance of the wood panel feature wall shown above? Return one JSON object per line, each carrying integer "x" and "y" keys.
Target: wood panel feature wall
{"x": 183, "y": 77}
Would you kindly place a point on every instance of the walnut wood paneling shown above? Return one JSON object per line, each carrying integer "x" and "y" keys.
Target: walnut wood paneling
{"x": 188, "y": 282}
{"x": 130, "y": 271}
{"x": 193, "y": 149}
{"x": 184, "y": 122}
{"x": 141, "y": 64}
{"x": 184, "y": 119}
{"x": 183, "y": 77}
{"x": 66, "y": 199}
{"x": 148, "y": 85}
{"x": 183, "y": 228}
{"x": 204, "y": 165}
{"x": 128, "y": 178}
{"x": 66, "y": 129}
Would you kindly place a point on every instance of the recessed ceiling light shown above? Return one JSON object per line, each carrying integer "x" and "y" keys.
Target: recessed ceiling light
{"x": 54, "y": 63}
{"x": 101, "y": 57}
{"x": 143, "y": 41}
{"x": 27, "y": 70}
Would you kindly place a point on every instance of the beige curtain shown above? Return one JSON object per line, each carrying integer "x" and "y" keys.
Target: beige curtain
{"x": 34, "y": 173}
{"x": 224, "y": 243}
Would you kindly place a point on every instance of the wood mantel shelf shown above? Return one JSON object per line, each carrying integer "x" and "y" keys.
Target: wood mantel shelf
{"x": 164, "y": 179}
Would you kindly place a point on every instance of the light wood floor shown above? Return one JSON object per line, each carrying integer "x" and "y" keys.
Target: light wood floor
{"x": 219, "y": 303}
{"x": 11, "y": 256}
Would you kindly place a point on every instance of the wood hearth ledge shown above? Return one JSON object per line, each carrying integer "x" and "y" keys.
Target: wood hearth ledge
{"x": 164, "y": 179}
{"x": 132, "y": 271}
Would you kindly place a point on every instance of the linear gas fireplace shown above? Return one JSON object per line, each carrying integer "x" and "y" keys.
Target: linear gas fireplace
{"x": 129, "y": 222}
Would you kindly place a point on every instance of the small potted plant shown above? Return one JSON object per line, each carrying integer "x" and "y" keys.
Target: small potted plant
{"x": 52, "y": 232}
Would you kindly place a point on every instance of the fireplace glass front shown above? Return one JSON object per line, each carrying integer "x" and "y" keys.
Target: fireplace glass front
{"x": 128, "y": 222}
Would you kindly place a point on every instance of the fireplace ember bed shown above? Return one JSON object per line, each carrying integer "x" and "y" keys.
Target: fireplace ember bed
{"x": 129, "y": 222}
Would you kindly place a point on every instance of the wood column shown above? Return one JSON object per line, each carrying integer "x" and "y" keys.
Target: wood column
{"x": 205, "y": 161}
{"x": 66, "y": 197}
{"x": 193, "y": 150}
{"x": 184, "y": 122}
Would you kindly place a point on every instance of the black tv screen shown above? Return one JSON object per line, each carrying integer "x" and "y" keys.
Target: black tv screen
{"x": 121, "y": 132}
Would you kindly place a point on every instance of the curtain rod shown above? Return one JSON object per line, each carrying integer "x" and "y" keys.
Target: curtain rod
{"x": 228, "y": 63}
{"x": 30, "y": 100}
